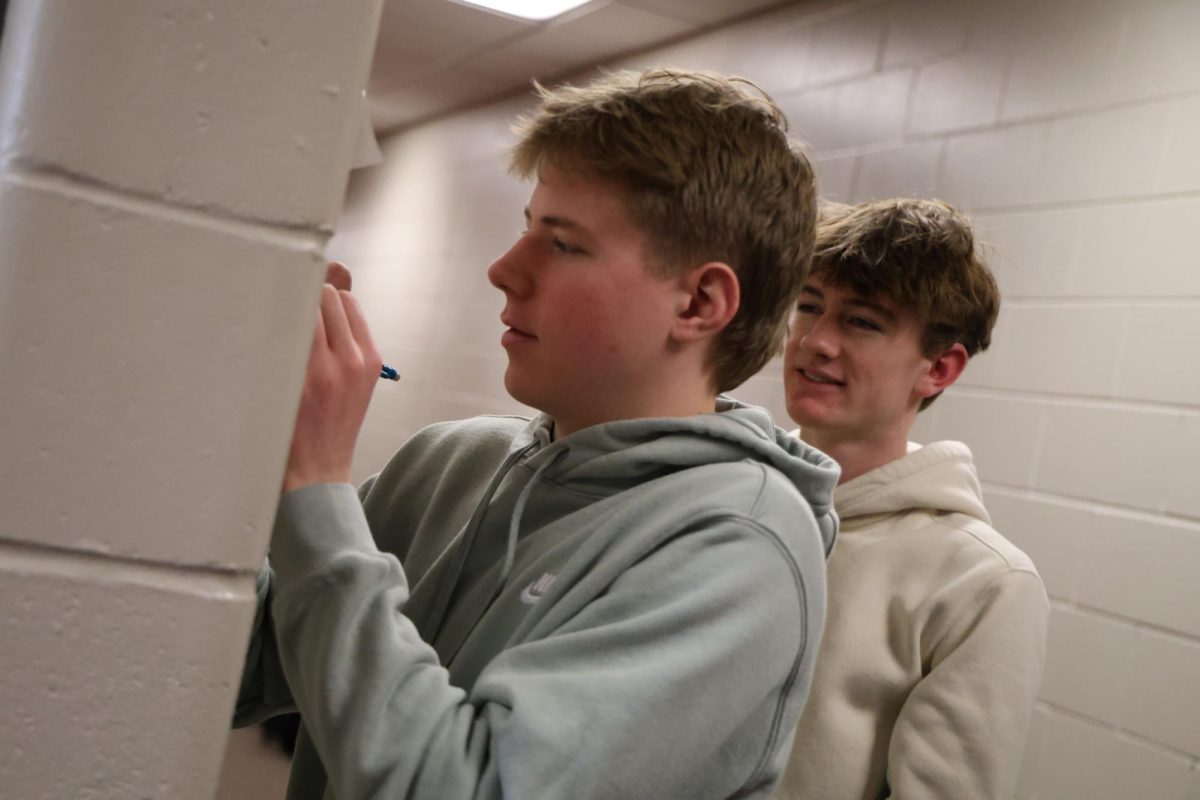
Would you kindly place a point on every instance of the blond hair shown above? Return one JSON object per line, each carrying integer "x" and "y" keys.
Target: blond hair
{"x": 922, "y": 255}
{"x": 709, "y": 174}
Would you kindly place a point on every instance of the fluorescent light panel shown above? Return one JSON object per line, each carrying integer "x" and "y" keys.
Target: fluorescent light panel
{"x": 527, "y": 9}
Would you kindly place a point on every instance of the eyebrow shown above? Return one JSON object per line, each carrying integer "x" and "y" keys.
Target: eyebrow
{"x": 554, "y": 222}
{"x": 858, "y": 302}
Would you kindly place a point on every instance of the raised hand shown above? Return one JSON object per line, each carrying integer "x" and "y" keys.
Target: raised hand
{"x": 343, "y": 368}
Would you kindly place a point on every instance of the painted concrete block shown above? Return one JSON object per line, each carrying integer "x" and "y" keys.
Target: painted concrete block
{"x": 152, "y": 356}
{"x": 1111, "y": 455}
{"x": 1156, "y": 261}
{"x": 1179, "y": 161}
{"x": 174, "y": 100}
{"x": 845, "y": 46}
{"x": 1062, "y": 349}
{"x": 1165, "y": 702}
{"x": 1002, "y": 432}
{"x": 1107, "y": 154}
{"x": 1089, "y": 663}
{"x": 836, "y": 178}
{"x": 1032, "y": 253}
{"x": 1143, "y": 569}
{"x": 908, "y": 171}
{"x": 920, "y": 31}
{"x": 1063, "y": 62}
{"x": 1152, "y": 364}
{"x": 1159, "y": 54}
{"x": 960, "y": 92}
{"x": 993, "y": 169}
{"x": 1183, "y": 495}
{"x": 1084, "y": 760}
{"x": 851, "y": 114}
{"x": 92, "y": 704}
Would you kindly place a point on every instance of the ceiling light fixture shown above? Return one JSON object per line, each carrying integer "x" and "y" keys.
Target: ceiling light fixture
{"x": 527, "y": 9}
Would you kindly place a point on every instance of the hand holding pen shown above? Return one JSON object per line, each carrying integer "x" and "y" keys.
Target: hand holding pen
{"x": 343, "y": 366}
{"x": 338, "y": 276}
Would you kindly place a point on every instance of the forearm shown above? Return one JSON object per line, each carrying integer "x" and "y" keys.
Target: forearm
{"x": 376, "y": 702}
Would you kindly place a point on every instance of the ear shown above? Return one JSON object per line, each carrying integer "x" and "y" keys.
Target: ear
{"x": 943, "y": 371}
{"x": 709, "y": 298}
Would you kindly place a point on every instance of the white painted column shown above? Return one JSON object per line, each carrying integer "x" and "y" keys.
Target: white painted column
{"x": 171, "y": 170}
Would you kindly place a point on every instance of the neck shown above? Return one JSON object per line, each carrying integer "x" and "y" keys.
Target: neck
{"x": 652, "y": 404}
{"x": 857, "y": 456}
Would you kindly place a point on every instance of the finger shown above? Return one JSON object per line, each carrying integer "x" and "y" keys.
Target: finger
{"x": 338, "y": 275}
{"x": 333, "y": 314}
{"x": 359, "y": 328}
{"x": 319, "y": 342}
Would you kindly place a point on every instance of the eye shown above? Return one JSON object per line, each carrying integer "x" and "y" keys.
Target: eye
{"x": 564, "y": 247}
{"x": 808, "y": 308}
{"x": 864, "y": 324}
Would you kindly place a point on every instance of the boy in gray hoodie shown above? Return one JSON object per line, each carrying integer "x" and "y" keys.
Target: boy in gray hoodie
{"x": 622, "y": 597}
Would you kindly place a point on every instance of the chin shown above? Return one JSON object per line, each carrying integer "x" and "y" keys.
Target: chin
{"x": 806, "y": 415}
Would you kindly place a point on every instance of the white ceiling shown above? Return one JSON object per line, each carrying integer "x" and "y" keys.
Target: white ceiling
{"x": 435, "y": 56}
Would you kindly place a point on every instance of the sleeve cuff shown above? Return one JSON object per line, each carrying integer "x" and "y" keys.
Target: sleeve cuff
{"x": 315, "y": 523}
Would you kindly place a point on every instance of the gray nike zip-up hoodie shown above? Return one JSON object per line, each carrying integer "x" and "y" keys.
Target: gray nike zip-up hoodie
{"x": 632, "y": 611}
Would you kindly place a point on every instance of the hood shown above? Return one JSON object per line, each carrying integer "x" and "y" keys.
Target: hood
{"x": 938, "y": 477}
{"x": 608, "y": 458}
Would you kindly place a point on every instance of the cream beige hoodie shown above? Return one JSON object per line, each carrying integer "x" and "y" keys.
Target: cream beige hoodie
{"x": 933, "y": 648}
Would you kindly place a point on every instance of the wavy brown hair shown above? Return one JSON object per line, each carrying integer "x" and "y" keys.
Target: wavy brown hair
{"x": 922, "y": 255}
{"x": 709, "y": 174}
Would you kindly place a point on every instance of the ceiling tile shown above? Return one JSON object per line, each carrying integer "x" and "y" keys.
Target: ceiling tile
{"x": 702, "y": 12}
{"x": 603, "y": 33}
{"x": 454, "y": 87}
{"x": 418, "y": 37}
{"x": 435, "y": 56}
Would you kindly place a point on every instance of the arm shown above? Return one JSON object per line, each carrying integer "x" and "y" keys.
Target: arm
{"x": 264, "y": 691}
{"x": 637, "y": 694}
{"x": 962, "y": 730}
{"x": 340, "y": 376}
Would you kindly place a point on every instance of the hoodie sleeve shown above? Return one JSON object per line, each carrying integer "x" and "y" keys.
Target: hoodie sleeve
{"x": 961, "y": 732}
{"x": 706, "y": 640}
{"x": 264, "y": 692}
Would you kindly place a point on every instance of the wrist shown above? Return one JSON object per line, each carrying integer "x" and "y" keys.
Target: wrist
{"x": 295, "y": 480}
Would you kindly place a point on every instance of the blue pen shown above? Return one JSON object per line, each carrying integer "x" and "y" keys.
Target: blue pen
{"x": 389, "y": 372}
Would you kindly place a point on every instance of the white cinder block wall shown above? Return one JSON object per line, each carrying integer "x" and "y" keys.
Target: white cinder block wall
{"x": 169, "y": 173}
{"x": 1070, "y": 130}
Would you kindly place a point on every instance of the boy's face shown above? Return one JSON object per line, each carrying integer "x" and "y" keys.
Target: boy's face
{"x": 853, "y": 365}
{"x": 587, "y": 322}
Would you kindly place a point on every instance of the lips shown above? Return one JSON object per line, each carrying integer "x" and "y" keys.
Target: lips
{"x": 819, "y": 378}
{"x": 515, "y": 332}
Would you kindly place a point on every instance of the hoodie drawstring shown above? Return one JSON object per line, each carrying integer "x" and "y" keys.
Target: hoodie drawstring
{"x": 514, "y": 530}
{"x": 514, "y": 525}
{"x": 459, "y": 560}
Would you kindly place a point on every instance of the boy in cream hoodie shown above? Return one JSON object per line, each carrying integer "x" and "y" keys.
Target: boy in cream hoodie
{"x": 936, "y": 628}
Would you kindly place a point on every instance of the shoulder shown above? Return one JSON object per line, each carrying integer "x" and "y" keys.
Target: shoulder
{"x": 481, "y": 431}
{"x": 468, "y": 438}
{"x": 977, "y": 542}
{"x": 462, "y": 447}
{"x": 754, "y": 499}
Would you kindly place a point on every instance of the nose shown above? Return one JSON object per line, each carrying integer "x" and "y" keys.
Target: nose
{"x": 510, "y": 273}
{"x": 816, "y": 337}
